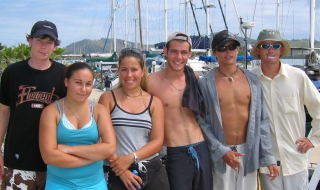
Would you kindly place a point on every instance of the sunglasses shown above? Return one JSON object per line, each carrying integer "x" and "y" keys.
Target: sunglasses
{"x": 134, "y": 50}
{"x": 225, "y": 48}
{"x": 267, "y": 46}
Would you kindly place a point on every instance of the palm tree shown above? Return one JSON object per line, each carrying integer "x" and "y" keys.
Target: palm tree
{"x": 7, "y": 54}
{"x": 1, "y": 46}
{"x": 22, "y": 52}
{"x": 57, "y": 54}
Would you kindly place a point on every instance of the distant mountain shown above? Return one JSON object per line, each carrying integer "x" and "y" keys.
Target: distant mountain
{"x": 87, "y": 46}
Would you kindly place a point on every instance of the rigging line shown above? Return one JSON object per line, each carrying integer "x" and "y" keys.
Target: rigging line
{"x": 262, "y": 13}
{"x": 224, "y": 19}
{"x": 140, "y": 32}
{"x": 294, "y": 5}
{"x": 180, "y": 22}
{"x": 205, "y": 10}
{"x": 105, "y": 43}
{"x": 254, "y": 14}
{"x": 195, "y": 19}
{"x": 239, "y": 18}
{"x": 285, "y": 25}
{"x": 282, "y": 30}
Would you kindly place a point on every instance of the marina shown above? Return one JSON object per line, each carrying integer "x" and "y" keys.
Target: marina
{"x": 103, "y": 67}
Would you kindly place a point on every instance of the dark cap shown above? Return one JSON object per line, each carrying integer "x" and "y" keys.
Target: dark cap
{"x": 222, "y": 38}
{"x": 179, "y": 36}
{"x": 44, "y": 28}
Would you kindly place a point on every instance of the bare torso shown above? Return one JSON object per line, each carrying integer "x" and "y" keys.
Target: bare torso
{"x": 234, "y": 98}
{"x": 181, "y": 127}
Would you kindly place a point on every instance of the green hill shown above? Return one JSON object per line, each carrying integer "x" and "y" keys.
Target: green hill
{"x": 87, "y": 46}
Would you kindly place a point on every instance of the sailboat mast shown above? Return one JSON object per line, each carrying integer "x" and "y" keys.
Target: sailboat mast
{"x": 207, "y": 17}
{"x": 186, "y": 17}
{"x": 312, "y": 23}
{"x": 165, "y": 20}
{"x": 126, "y": 25}
{"x": 140, "y": 26}
{"x": 147, "y": 25}
{"x": 278, "y": 16}
{"x": 114, "y": 27}
{"x": 135, "y": 25}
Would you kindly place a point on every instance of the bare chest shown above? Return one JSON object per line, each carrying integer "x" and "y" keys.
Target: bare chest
{"x": 236, "y": 92}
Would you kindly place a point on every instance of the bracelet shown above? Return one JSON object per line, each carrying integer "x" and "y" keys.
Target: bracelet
{"x": 135, "y": 159}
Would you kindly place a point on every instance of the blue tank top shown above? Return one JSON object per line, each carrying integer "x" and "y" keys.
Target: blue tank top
{"x": 80, "y": 177}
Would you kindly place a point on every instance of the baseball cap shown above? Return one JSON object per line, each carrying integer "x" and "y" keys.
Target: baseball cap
{"x": 222, "y": 38}
{"x": 270, "y": 35}
{"x": 44, "y": 28}
{"x": 180, "y": 36}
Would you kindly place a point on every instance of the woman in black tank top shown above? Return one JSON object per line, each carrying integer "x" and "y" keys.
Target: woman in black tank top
{"x": 138, "y": 120}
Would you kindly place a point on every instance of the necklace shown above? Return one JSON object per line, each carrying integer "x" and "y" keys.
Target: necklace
{"x": 179, "y": 89}
{"x": 76, "y": 115}
{"x": 230, "y": 77}
{"x": 127, "y": 96}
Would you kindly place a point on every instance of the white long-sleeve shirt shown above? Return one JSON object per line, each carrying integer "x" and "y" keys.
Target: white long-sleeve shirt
{"x": 285, "y": 96}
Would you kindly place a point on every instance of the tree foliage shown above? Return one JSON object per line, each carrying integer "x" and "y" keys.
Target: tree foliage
{"x": 7, "y": 54}
{"x": 22, "y": 52}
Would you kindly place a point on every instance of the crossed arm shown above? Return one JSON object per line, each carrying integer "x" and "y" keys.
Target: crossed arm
{"x": 74, "y": 156}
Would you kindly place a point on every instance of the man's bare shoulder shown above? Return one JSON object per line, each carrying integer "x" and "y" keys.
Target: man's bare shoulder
{"x": 153, "y": 80}
{"x": 156, "y": 75}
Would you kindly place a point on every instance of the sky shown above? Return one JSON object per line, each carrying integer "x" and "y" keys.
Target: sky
{"x": 91, "y": 19}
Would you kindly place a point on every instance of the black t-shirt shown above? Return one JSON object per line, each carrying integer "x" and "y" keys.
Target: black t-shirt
{"x": 27, "y": 91}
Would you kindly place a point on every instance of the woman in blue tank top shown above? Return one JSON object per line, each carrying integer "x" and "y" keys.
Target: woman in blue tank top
{"x": 138, "y": 121}
{"x": 76, "y": 135}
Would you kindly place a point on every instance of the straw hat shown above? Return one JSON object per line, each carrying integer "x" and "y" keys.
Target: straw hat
{"x": 270, "y": 35}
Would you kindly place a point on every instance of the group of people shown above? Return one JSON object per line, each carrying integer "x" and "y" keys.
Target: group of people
{"x": 228, "y": 130}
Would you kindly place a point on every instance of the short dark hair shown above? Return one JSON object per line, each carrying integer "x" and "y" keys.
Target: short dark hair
{"x": 42, "y": 37}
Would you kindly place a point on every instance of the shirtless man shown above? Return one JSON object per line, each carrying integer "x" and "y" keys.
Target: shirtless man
{"x": 237, "y": 128}
{"x": 188, "y": 159}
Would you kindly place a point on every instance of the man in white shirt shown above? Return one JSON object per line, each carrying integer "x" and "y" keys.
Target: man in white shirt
{"x": 286, "y": 90}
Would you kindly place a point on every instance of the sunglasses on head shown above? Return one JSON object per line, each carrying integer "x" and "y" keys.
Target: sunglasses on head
{"x": 134, "y": 50}
{"x": 267, "y": 46}
{"x": 225, "y": 48}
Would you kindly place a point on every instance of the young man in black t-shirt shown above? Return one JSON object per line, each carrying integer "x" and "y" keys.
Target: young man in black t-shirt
{"x": 26, "y": 88}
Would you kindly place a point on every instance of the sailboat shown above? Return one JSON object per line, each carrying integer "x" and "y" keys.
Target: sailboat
{"x": 106, "y": 65}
